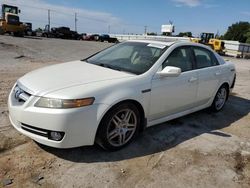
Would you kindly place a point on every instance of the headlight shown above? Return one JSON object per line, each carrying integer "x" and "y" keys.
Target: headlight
{"x": 64, "y": 103}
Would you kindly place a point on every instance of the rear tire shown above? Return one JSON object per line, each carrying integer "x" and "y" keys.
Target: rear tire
{"x": 19, "y": 34}
{"x": 1, "y": 31}
{"x": 118, "y": 127}
{"x": 45, "y": 35}
{"x": 220, "y": 99}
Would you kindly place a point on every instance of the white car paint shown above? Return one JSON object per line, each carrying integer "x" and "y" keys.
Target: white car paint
{"x": 170, "y": 97}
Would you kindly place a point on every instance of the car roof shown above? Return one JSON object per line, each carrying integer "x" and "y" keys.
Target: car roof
{"x": 171, "y": 42}
{"x": 165, "y": 43}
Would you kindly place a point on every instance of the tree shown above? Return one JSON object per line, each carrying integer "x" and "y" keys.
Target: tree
{"x": 152, "y": 33}
{"x": 238, "y": 32}
{"x": 166, "y": 34}
{"x": 39, "y": 30}
{"x": 185, "y": 34}
{"x": 248, "y": 36}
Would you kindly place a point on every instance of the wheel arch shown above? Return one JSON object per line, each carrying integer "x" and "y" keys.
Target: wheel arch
{"x": 141, "y": 111}
{"x": 227, "y": 87}
{"x": 225, "y": 83}
{"x": 138, "y": 105}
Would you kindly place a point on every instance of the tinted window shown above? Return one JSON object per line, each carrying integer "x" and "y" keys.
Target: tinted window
{"x": 180, "y": 57}
{"x": 204, "y": 58}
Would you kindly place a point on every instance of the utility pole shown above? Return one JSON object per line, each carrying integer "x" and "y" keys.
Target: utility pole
{"x": 49, "y": 19}
{"x": 75, "y": 22}
{"x": 108, "y": 29}
{"x": 145, "y": 29}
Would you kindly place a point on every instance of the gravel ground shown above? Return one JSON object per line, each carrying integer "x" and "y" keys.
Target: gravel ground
{"x": 199, "y": 150}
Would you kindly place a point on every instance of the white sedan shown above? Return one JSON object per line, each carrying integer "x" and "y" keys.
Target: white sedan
{"x": 113, "y": 95}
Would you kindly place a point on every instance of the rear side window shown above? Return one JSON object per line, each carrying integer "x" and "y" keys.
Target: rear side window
{"x": 204, "y": 58}
{"x": 181, "y": 58}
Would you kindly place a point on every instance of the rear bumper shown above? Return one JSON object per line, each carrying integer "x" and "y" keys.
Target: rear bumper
{"x": 233, "y": 83}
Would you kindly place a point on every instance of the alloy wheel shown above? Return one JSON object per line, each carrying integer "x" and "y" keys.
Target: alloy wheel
{"x": 122, "y": 127}
{"x": 220, "y": 98}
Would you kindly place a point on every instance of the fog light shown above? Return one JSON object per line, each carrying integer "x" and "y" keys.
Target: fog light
{"x": 57, "y": 136}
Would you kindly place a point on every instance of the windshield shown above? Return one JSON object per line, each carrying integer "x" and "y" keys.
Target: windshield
{"x": 133, "y": 57}
{"x": 10, "y": 9}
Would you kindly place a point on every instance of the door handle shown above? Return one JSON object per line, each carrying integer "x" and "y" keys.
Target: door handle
{"x": 192, "y": 79}
{"x": 217, "y": 73}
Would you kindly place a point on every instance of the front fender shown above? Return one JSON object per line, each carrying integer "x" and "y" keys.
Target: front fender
{"x": 117, "y": 96}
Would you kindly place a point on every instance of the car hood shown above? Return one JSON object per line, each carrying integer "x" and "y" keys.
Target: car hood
{"x": 60, "y": 76}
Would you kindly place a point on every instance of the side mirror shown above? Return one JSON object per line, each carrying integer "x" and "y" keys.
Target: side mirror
{"x": 19, "y": 11}
{"x": 169, "y": 71}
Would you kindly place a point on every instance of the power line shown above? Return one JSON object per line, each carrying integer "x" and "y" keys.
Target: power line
{"x": 32, "y": 20}
{"x": 79, "y": 16}
{"x": 63, "y": 13}
{"x": 28, "y": 6}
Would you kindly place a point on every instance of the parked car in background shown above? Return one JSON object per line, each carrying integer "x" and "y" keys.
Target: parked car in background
{"x": 82, "y": 36}
{"x": 28, "y": 29}
{"x": 107, "y": 38}
{"x": 113, "y": 95}
{"x": 93, "y": 37}
{"x": 59, "y": 32}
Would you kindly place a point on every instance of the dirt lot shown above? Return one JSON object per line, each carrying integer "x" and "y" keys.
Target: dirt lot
{"x": 199, "y": 150}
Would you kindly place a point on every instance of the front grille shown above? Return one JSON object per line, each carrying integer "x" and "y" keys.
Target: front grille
{"x": 13, "y": 20}
{"x": 35, "y": 130}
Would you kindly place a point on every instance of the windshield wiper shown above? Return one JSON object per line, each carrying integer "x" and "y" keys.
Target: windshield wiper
{"x": 109, "y": 66}
{"x": 86, "y": 60}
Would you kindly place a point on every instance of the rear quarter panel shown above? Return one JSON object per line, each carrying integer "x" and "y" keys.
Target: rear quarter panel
{"x": 228, "y": 73}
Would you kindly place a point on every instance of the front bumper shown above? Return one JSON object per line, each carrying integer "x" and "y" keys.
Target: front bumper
{"x": 79, "y": 125}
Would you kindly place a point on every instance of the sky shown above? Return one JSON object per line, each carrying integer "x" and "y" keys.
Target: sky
{"x": 131, "y": 16}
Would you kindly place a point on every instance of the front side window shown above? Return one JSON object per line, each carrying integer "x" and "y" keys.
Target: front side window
{"x": 204, "y": 58}
{"x": 181, "y": 58}
{"x": 133, "y": 57}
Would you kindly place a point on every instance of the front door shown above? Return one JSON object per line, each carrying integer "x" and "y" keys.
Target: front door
{"x": 170, "y": 95}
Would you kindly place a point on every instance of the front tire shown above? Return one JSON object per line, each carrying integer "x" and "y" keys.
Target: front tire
{"x": 220, "y": 99}
{"x": 119, "y": 127}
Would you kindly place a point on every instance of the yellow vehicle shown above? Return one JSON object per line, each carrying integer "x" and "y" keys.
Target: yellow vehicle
{"x": 10, "y": 23}
{"x": 209, "y": 40}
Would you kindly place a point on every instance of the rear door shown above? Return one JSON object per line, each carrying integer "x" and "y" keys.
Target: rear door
{"x": 209, "y": 74}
